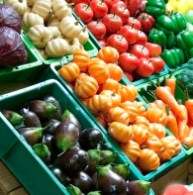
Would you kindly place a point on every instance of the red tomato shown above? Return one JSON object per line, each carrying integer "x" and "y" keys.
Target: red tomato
{"x": 158, "y": 64}
{"x": 189, "y": 193}
{"x": 112, "y": 22}
{"x": 84, "y": 12}
{"x": 145, "y": 68}
{"x": 155, "y": 50}
{"x": 121, "y": 11}
{"x": 132, "y": 5}
{"x": 118, "y": 42}
{"x": 142, "y": 38}
{"x": 129, "y": 76}
{"x": 140, "y": 51}
{"x": 98, "y": 29}
{"x": 128, "y": 62}
{"x": 129, "y": 33}
{"x": 147, "y": 22}
{"x": 103, "y": 43}
{"x": 80, "y": 1}
{"x": 134, "y": 23}
{"x": 110, "y": 3}
{"x": 99, "y": 8}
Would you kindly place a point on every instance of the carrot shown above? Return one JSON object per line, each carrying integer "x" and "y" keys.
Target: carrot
{"x": 161, "y": 105}
{"x": 172, "y": 123}
{"x": 171, "y": 83}
{"x": 182, "y": 124}
{"x": 188, "y": 142}
{"x": 191, "y": 131}
{"x": 164, "y": 95}
{"x": 189, "y": 107}
{"x": 169, "y": 90}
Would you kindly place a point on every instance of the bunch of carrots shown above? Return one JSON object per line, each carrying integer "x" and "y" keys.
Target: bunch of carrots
{"x": 179, "y": 117}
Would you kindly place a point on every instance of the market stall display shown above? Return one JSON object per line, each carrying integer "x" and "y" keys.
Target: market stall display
{"x": 31, "y": 124}
{"x": 121, "y": 117}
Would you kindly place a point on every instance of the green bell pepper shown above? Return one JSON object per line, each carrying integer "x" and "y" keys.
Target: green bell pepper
{"x": 170, "y": 40}
{"x": 180, "y": 56}
{"x": 184, "y": 41}
{"x": 173, "y": 57}
{"x": 158, "y": 37}
{"x": 188, "y": 55}
{"x": 189, "y": 28}
{"x": 178, "y": 21}
{"x": 189, "y": 16}
{"x": 155, "y": 8}
{"x": 165, "y": 24}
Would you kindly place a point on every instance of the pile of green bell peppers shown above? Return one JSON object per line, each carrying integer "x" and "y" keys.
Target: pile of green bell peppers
{"x": 174, "y": 36}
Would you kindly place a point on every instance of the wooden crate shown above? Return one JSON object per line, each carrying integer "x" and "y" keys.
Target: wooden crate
{"x": 178, "y": 175}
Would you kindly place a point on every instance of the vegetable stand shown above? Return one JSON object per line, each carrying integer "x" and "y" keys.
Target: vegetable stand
{"x": 110, "y": 61}
{"x": 52, "y": 73}
{"x": 15, "y": 151}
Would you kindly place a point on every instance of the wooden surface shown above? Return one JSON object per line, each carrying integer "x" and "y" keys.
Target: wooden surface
{"x": 9, "y": 185}
{"x": 178, "y": 175}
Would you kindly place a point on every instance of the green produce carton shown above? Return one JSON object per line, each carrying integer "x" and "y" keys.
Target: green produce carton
{"x": 18, "y": 155}
{"x": 53, "y": 73}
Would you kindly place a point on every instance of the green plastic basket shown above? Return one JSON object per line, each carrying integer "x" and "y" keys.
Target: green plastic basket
{"x": 89, "y": 47}
{"x": 177, "y": 68}
{"x": 19, "y": 156}
{"x": 24, "y": 71}
{"x": 179, "y": 95}
{"x": 52, "y": 73}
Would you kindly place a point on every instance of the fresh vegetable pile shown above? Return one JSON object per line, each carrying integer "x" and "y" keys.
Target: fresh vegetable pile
{"x": 140, "y": 133}
{"x": 79, "y": 158}
{"x": 179, "y": 117}
{"x": 111, "y": 24}
{"x": 51, "y": 27}
{"x": 12, "y": 49}
{"x": 176, "y": 38}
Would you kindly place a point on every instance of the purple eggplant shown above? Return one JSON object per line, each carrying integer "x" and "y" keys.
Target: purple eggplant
{"x": 91, "y": 139}
{"x": 55, "y": 102}
{"x": 73, "y": 161}
{"x": 110, "y": 182}
{"x": 30, "y": 118}
{"x": 94, "y": 156}
{"x": 107, "y": 157}
{"x": 49, "y": 140}
{"x": 95, "y": 181}
{"x": 83, "y": 182}
{"x": 66, "y": 135}
{"x": 53, "y": 124}
{"x": 44, "y": 110}
{"x": 43, "y": 152}
{"x": 73, "y": 190}
{"x": 14, "y": 118}
{"x": 32, "y": 134}
{"x": 69, "y": 117}
{"x": 65, "y": 180}
{"x": 138, "y": 187}
{"x": 123, "y": 170}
